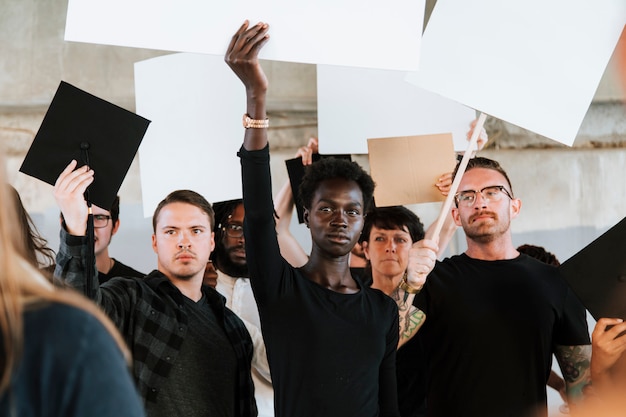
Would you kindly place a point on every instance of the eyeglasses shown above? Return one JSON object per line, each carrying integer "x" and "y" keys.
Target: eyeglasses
{"x": 492, "y": 193}
{"x": 100, "y": 220}
{"x": 233, "y": 230}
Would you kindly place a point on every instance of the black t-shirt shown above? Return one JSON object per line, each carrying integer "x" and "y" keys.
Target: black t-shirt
{"x": 490, "y": 331}
{"x": 203, "y": 379}
{"x": 411, "y": 366}
{"x": 119, "y": 270}
{"x": 411, "y": 371}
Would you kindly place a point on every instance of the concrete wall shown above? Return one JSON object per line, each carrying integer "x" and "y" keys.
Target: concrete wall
{"x": 569, "y": 192}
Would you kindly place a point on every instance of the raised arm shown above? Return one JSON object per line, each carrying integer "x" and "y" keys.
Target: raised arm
{"x": 242, "y": 58}
{"x": 290, "y": 248}
{"x": 267, "y": 267}
{"x": 70, "y": 267}
{"x": 71, "y": 257}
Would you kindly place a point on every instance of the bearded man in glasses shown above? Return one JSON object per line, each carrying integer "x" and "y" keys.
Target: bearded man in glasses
{"x": 495, "y": 317}
{"x": 233, "y": 282}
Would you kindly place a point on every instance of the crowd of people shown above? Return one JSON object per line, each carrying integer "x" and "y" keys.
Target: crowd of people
{"x": 237, "y": 319}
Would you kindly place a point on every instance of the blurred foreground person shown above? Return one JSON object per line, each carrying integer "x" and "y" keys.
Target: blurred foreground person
{"x": 35, "y": 247}
{"x": 60, "y": 356}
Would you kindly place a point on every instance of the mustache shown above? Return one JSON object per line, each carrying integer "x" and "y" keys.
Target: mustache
{"x": 236, "y": 247}
{"x": 483, "y": 213}
{"x": 185, "y": 251}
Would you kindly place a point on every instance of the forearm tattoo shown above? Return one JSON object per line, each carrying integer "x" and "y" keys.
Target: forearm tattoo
{"x": 410, "y": 317}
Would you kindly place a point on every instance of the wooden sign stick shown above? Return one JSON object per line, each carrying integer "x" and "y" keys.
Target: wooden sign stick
{"x": 445, "y": 209}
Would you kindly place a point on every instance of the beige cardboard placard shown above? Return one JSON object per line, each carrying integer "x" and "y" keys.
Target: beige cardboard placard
{"x": 406, "y": 168}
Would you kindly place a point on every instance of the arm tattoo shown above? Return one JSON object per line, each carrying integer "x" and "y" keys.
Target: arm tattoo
{"x": 574, "y": 362}
{"x": 411, "y": 323}
{"x": 410, "y": 317}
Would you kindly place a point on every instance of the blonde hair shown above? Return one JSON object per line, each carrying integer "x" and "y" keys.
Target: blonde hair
{"x": 22, "y": 287}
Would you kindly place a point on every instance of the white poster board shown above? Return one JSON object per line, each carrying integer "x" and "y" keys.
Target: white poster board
{"x": 534, "y": 63}
{"x": 196, "y": 104}
{"x": 339, "y": 32}
{"x": 355, "y": 104}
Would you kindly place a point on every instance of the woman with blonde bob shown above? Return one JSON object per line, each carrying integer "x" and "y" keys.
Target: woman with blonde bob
{"x": 59, "y": 355}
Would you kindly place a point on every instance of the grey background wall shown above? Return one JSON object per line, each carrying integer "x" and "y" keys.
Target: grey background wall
{"x": 570, "y": 195}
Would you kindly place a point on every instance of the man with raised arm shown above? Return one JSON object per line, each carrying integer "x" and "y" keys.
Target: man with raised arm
{"x": 331, "y": 340}
{"x": 494, "y": 317}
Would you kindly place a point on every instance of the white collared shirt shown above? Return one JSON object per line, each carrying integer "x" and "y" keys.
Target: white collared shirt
{"x": 240, "y": 299}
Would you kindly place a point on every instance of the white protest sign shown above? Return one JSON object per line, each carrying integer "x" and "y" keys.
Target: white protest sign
{"x": 356, "y": 104}
{"x": 196, "y": 104}
{"x": 534, "y": 63}
{"x": 339, "y": 32}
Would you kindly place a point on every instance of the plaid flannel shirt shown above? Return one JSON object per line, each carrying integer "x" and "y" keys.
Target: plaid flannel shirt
{"x": 150, "y": 315}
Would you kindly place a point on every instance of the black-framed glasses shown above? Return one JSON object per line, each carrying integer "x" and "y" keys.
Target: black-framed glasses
{"x": 233, "y": 230}
{"x": 100, "y": 220}
{"x": 492, "y": 193}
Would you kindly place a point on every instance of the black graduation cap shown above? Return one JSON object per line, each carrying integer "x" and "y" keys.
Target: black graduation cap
{"x": 295, "y": 170}
{"x": 93, "y": 131}
{"x": 597, "y": 274}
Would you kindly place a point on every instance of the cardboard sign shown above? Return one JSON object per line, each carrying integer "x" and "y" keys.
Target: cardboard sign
{"x": 406, "y": 169}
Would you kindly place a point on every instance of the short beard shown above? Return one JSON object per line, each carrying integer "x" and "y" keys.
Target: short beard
{"x": 482, "y": 238}
{"x": 224, "y": 264}
{"x": 490, "y": 235}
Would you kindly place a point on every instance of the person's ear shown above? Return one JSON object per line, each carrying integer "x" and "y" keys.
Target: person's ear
{"x": 516, "y": 206}
{"x": 154, "y": 244}
{"x": 456, "y": 216}
{"x": 366, "y": 250}
{"x": 305, "y": 217}
{"x": 116, "y": 226}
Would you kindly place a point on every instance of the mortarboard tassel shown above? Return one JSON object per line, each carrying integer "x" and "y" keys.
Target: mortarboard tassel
{"x": 90, "y": 256}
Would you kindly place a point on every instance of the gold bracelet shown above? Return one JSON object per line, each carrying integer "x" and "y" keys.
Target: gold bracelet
{"x": 248, "y": 123}
{"x": 406, "y": 287}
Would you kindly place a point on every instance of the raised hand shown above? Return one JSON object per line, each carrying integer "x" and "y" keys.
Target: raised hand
{"x": 69, "y": 191}
{"x": 242, "y": 55}
{"x": 482, "y": 138}
{"x": 307, "y": 152}
{"x": 608, "y": 345}
{"x": 444, "y": 183}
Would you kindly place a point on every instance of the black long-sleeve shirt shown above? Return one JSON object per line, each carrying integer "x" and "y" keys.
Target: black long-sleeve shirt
{"x": 330, "y": 354}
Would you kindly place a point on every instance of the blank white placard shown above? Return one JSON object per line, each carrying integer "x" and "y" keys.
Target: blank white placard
{"x": 533, "y": 63}
{"x": 196, "y": 104}
{"x": 339, "y": 32}
{"x": 356, "y": 104}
